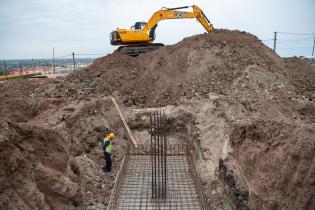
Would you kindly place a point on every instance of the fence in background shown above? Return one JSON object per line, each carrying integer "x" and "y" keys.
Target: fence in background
{"x": 57, "y": 65}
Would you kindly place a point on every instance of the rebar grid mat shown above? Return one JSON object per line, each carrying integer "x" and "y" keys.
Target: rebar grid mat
{"x": 133, "y": 186}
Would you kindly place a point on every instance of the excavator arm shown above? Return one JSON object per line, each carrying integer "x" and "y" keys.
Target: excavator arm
{"x": 173, "y": 13}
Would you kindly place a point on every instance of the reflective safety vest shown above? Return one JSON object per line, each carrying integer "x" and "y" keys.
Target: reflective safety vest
{"x": 107, "y": 145}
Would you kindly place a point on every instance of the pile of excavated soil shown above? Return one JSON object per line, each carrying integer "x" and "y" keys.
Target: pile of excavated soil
{"x": 197, "y": 65}
{"x": 240, "y": 101}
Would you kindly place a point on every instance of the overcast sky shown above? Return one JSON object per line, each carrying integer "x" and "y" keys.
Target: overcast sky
{"x": 30, "y": 28}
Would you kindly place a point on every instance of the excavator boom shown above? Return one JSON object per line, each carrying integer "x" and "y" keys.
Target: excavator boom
{"x": 173, "y": 13}
{"x": 144, "y": 33}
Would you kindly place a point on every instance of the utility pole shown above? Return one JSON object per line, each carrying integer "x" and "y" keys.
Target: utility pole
{"x": 47, "y": 67}
{"x": 33, "y": 65}
{"x": 21, "y": 70}
{"x": 275, "y": 41}
{"x": 5, "y": 68}
{"x": 313, "y": 47}
{"x": 73, "y": 61}
{"x": 54, "y": 60}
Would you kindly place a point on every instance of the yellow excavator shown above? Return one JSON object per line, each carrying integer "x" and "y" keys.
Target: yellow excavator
{"x": 138, "y": 39}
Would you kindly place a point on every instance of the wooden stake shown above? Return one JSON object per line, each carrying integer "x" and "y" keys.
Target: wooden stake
{"x": 132, "y": 137}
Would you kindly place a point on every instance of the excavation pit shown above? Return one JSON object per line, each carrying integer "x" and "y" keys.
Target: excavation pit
{"x": 133, "y": 189}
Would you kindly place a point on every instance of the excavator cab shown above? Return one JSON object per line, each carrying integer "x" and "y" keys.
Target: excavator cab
{"x": 115, "y": 36}
{"x": 140, "y": 25}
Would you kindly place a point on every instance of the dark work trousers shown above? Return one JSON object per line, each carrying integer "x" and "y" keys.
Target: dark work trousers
{"x": 108, "y": 158}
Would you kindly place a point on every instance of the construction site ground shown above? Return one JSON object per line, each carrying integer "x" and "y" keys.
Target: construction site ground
{"x": 241, "y": 102}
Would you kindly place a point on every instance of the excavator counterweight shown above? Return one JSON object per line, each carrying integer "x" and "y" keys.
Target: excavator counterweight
{"x": 138, "y": 39}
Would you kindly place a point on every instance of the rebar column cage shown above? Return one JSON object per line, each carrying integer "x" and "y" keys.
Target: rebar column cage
{"x": 158, "y": 154}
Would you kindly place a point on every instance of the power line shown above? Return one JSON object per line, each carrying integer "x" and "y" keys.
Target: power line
{"x": 89, "y": 54}
{"x": 287, "y": 40}
{"x": 302, "y": 34}
{"x": 78, "y": 54}
{"x": 64, "y": 56}
{"x": 293, "y": 47}
{"x": 294, "y": 40}
{"x": 264, "y": 40}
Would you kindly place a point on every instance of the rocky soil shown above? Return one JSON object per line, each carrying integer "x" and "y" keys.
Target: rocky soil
{"x": 235, "y": 98}
{"x": 50, "y": 158}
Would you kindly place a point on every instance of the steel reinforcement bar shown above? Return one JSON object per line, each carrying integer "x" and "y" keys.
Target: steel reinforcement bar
{"x": 201, "y": 193}
{"x": 158, "y": 155}
{"x": 118, "y": 182}
{"x": 172, "y": 150}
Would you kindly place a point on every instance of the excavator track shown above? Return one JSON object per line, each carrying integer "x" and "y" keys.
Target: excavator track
{"x": 136, "y": 49}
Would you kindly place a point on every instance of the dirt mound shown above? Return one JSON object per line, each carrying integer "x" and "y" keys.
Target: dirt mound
{"x": 193, "y": 67}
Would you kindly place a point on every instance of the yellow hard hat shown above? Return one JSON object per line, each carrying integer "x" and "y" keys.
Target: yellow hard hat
{"x": 112, "y": 135}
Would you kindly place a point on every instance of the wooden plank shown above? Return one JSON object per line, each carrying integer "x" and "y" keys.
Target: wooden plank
{"x": 131, "y": 136}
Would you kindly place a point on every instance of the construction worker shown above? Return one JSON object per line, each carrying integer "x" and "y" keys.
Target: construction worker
{"x": 107, "y": 145}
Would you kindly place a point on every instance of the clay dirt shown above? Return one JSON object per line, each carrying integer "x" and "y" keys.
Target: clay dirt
{"x": 226, "y": 93}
